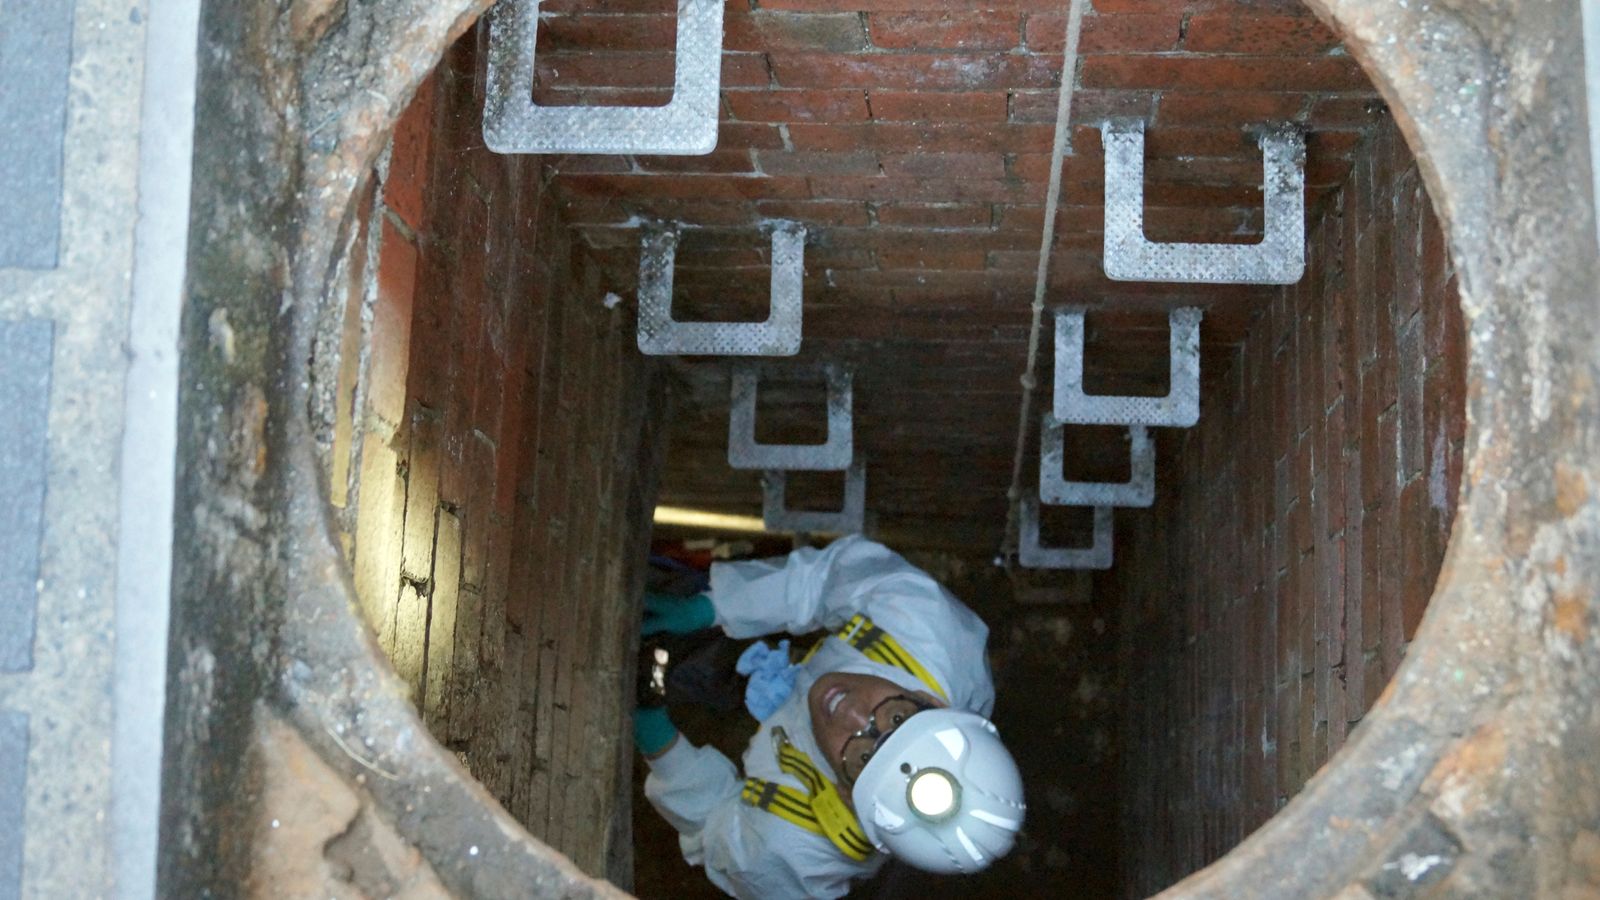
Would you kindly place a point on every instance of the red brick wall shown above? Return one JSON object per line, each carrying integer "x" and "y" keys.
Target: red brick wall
{"x": 1299, "y": 529}
{"x": 913, "y": 138}
{"x": 507, "y": 474}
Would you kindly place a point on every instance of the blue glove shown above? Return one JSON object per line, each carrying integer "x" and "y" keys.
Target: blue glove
{"x": 677, "y": 615}
{"x": 771, "y": 677}
{"x": 653, "y": 730}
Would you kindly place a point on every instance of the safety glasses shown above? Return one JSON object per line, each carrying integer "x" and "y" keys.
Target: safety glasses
{"x": 886, "y": 717}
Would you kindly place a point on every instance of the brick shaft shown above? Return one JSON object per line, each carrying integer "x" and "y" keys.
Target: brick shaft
{"x": 506, "y": 478}
{"x": 1295, "y": 544}
{"x": 912, "y": 139}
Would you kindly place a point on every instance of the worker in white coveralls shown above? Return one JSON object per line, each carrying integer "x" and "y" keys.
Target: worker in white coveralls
{"x": 881, "y": 746}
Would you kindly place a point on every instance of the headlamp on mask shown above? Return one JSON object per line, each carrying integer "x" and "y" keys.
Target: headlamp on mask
{"x": 933, "y": 795}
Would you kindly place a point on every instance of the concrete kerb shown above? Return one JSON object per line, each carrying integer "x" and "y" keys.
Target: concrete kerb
{"x": 1502, "y": 676}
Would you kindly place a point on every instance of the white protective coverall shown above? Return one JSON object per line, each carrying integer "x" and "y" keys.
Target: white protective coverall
{"x": 752, "y": 853}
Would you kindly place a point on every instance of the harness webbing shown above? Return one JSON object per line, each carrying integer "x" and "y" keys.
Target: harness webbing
{"x": 819, "y": 809}
{"x": 880, "y": 646}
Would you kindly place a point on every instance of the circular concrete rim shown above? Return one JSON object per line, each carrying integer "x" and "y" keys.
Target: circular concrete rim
{"x": 1497, "y": 666}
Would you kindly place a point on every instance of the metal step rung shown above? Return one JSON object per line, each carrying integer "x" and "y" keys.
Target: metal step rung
{"x": 1033, "y": 556}
{"x": 848, "y": 520}
{"x": 778, "y": 335}
{"x": 1139, "y": 490}
{"x": 685, "y": 126}
{"x": 834, "y": 455}
{"x": 1278, "y": 259}
{"x": 1181, "y": 405}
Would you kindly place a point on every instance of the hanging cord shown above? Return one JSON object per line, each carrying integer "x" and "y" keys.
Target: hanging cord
{"x": 1030, "y": 380}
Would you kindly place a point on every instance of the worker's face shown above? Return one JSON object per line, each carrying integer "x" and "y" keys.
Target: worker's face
{"x": 841, "y": 704}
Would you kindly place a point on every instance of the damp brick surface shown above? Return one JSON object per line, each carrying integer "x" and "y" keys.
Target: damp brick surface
{"x": 498, "y": 482}
{"x": 914, "y": 146}
{"x": 1325, "y": 492}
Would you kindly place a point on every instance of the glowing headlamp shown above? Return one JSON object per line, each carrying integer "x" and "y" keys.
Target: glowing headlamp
{"x": 933, "y": 794}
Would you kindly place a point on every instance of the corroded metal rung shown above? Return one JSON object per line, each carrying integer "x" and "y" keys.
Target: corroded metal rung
{"x": 1278, "y": 259}
{"x": 1033, "y": 556}
{"x": 685, "y": 126}
{"x": 848, "y": 520}
{"x": 745, "y": 453}
{"x": 1181, "y": 405}
{"x": 1138, "y": 490}
{"x": 778, "y": 335}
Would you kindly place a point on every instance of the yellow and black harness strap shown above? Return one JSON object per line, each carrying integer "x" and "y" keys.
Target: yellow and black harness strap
{"x": 880, "y": 646}
{"x": 821, "y": 811}
{"x": 782, "y": 801}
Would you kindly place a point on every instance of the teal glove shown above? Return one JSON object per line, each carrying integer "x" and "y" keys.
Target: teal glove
{"x": 677, "y": 615}
{"x": 653, "y": 730}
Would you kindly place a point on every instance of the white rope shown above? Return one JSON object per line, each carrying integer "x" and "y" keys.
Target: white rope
{"x": 1063, "y": 140}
